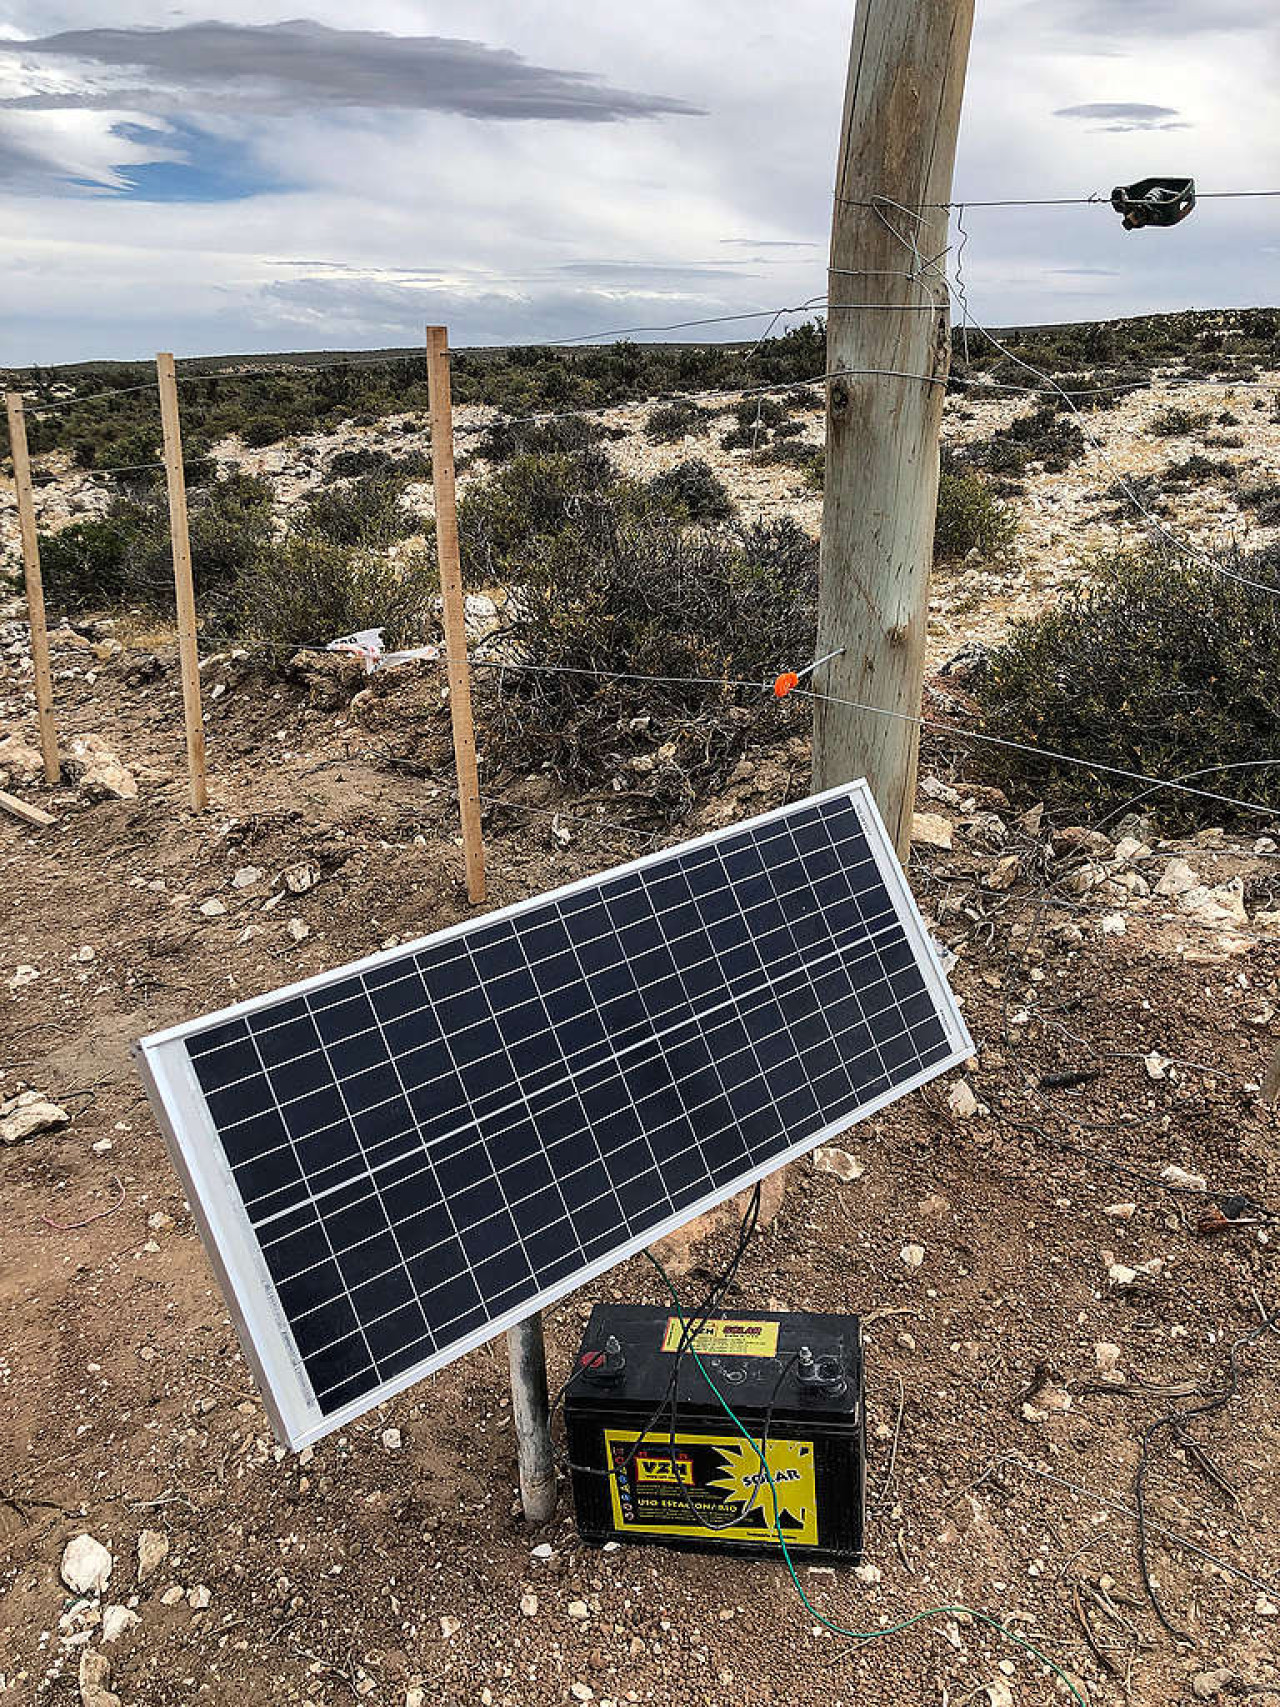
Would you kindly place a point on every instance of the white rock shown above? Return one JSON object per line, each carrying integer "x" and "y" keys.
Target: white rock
{"x": 931, "y": 830}
{"x": 998, "y": 1693}
{"x": 838, "y": 1162}
{"x": 1113, "y": 924}
{"x": 27, "y": 1114}
{"x": 116, "y": 1620}
{"x": 86, "y": 1565}
{"x": 1129, "y": 848}
{"x": 1107, "y": 1355}
{"x": 582, "y": 1692}
{"x": 415, "y": 1697}
{"x": 391, "y": 1439}
{"x": 1157, "y": 1065}
{"x": 299, "y": 878}
{"x": 578, "y": 1609}
{"x": 529, "y": 1605}
{"x": 961, "y": 1100}
{"x": 173, "y": 1594}
{"x": 1120, "y": 1274}
{"x": 1208, "y": 1685}
{"x": 24, "y": 975}
{"x": 86, "y": 953}
{"x": 1003, "y": 872}
{"x": 246, "y": 877}
{"x": 912, "y": 1255}
{"x": 153, "y": 1550}
{"x": 198, "y": 1598}
{"x": 1174, "y": 1175}
{"x": 1222, "y": 905}
{"x": 100, "y": 774}
{"x": 868, "y": 1575}
{"x": 544, "y": 1550}
{"x": 1121, "y": 1211}
{"x": 299, "y": 930}
{"x": 213, "y": 908}
{"x": 449, "y": 1627}
{"x": 1178, "y": 878}
{"x": 1265, "y": 1607}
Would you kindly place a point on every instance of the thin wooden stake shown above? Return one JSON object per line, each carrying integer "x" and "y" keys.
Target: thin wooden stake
{"x": 455, "y": 614}
{"x": 35, "y": 586}
{"x": 531, "y": 1415}
{"x": 188, "y": 647}
{"x": 26, "y": 811}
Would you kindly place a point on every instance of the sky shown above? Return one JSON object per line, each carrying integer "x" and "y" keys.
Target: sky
{"x": 218, "y": 178}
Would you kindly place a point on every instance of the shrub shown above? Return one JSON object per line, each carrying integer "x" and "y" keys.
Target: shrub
{"x": 1196, "y": 469}
{"x": 1176, "y": 423}
{"x": 503, "y": 440}
{"x": 84, "y": 565}
{"x": 1044, "y": 436}
{"x": 307, "y": 590}
{"x": 639, "y": 596}
{"x": 508, "y": 521}
{"x": 1264, "y": 500}
{"x": 674, "y": 421}
{"x": 263, "y": 430}
{"x": 693, "y": 491}
{"x": 365, "y": 459}
{"x": 760, "y": 411}
{"x": 1158, "y": 666}
{"x": 367, "y": 511}
{"x": 790, "y": 453}
{"x": 742, "y": 438}
{"x": 970, "y": 518}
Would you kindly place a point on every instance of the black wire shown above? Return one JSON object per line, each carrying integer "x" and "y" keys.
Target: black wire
{"x": 709, "y": 1304}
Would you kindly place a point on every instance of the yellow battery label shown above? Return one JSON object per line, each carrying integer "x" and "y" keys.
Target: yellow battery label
{"x": 714, "y": 1488}
{"x": 725, "y": 1336}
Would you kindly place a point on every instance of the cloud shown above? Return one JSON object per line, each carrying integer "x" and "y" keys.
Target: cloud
{"x": 1125, "y": 115}
{"x": 1169, "y": 19}
{"x": 302, "y": 65}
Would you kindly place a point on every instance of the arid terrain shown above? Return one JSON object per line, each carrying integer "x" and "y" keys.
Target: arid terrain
{"x": 1061, "y": 1255}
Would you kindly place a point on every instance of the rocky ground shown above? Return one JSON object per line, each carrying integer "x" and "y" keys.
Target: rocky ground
{"x": 1071, "y": 1240}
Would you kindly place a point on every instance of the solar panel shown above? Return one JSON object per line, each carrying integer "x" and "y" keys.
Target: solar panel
{"x": 391, "y": 1162}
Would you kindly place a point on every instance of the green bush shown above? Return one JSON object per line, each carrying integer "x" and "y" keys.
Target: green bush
{"x": 263, "y": 430}
{"x": 759, "y": 411}
{"x": 693, "y": 491}
{"x": 672, "y": 422}
{"x": 504, "y": 440}
{"x": 306, "y": 590}
{"x": 1158, "y": 666}
{"x": 970, "y": 518}
{"x": 84, "y": 566}
{"x": 1263, "y": 498}
{"x": 366, "y": 511}
{"x": 1176, "y": 423}
{"x": 506, "y": 522}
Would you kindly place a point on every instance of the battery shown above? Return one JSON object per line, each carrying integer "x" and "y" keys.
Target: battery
{"x": 796, "y": 1383}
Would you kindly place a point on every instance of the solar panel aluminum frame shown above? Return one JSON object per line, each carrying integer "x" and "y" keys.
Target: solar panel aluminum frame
{"x": 196, "y": 1149}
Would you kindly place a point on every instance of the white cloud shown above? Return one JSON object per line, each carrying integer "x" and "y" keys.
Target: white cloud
{"x": 548, "y": 227}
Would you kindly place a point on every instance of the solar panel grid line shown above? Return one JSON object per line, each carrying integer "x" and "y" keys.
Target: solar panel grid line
{"x": 695, "y": 1110}
{"x": 443, "y": 1138}
{"x": 763, "y": 991}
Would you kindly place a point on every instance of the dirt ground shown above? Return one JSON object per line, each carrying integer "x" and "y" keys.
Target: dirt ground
{"x": 1064, "y": 1300}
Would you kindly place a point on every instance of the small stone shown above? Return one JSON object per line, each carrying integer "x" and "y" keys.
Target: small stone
{"x": 23, "y": 976}
{"x": 961, "y": 1100}
{"x": 86, "y": 953}
{"x": 912, "y": 1255}
{"x": 578, "y": 1609}
{"x": 1176, "y": 880}
{"x": 391, "y": 1439}
{"x": 153, "y": 1550}
{"x": 449, "y": 1627}
{"x": 1114, "y": 924}
{"x": 213, "y": 908}
{"x": 116, "y": 1620}
{"x": 415, "y": 1697}
{"x": 94, "y": 1676}
{"x": 931, "y": 830}
{"x": 998, "y": 1693}
{"x": 1107, "y": 1355}
{"x": 1157, "y": 1065}
{"x": 299, "y": 878}
{"x": 1174, "y": 1175}
{"x": 1208, "y": 1685}
{"x": 1121, "y": 1211}
{"x": 159, "y": 1221}
{"x": 299, "y": 930}
{"x": 1120, "y": 1274}
{"x": 529, "y": 1605}
{"x": 86, "y": 1565}
{"x": 582, "y": 1692}
{"x": 1265, "y": 1607}
{"x": 173, "y": 1594}
{"x": 27, "y": 1114}
{"x": 544, "y": 1550}
{"x": 246, "y": 877}
{"x": 868, "y": 1575}
{"x": 198, "y": 1598}
{"x": 1003, "y": 872}
{"x": 838, "y": 1162}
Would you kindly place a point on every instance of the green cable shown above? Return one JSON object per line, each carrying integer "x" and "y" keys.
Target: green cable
{"x": 862, "y": 1636}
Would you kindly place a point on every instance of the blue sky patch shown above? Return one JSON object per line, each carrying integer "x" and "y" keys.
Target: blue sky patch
{"x": 215, "y": 168}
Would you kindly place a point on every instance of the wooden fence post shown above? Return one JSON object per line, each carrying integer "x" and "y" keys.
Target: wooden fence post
{"x": 35, "y": 586}
{"x": 454, "y": 605}
{"x": 188, "y": 647}
{"x": 884, "y": 399}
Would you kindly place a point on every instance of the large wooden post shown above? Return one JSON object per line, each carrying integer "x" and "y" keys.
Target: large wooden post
{"x": 897, "y": 146}
{"x": 35, "y": 586}
{"x": 188, "y": 644}
{"x": 454, "y": 606}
